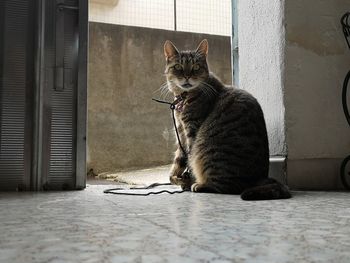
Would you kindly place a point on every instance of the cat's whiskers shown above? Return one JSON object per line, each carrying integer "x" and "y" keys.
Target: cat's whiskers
{"x": 165, "y": 92}
{"x": 211, "y": 91}
{"x": 164, "y": 89}
{"x": 209, "y": 86}
{"x": 161, "y": 88}
{"x": 208, "y": 90}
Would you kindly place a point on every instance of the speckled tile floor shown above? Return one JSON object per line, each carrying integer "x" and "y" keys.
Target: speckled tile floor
{"x": 89, "y": 226}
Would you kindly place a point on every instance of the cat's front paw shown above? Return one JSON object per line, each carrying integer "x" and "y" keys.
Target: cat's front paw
{"x": 185, "y": 180}
{"x": 195, "y": 187}
{"x": 174, "y": 179}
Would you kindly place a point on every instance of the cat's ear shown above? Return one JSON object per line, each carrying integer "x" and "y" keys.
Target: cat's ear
{"x": 170, "y": 50}
{"x": 202, "y": 48}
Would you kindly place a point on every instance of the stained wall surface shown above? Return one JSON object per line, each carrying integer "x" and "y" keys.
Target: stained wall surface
{"x": 316, "y": 62}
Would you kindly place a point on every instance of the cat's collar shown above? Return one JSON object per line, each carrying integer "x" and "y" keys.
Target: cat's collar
{"x": 179, "y": 101}
{"x": 180, "y": 97}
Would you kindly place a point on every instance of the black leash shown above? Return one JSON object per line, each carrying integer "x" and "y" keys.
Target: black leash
{"x": 173, "y": 104}
{"x": 112, "y": 190}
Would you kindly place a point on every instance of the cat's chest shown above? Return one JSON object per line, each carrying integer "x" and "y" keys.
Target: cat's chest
{"x": 190, "y": 110}
{"x": 188, "y": 114}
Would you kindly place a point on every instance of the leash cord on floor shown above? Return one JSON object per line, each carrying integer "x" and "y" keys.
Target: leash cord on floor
{"x": 113, "y": 190}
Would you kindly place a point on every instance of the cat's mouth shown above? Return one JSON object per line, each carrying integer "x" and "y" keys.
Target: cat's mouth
{"x": 187, "y": 85}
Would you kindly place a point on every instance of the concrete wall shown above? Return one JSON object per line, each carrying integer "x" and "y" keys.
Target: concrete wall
{"x": 261, "y": 62}
{"x": 317, "y": 60}
{"x": 125, "y": 128}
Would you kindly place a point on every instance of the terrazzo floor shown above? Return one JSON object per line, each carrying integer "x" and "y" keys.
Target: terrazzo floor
{"x": 89, "y": 226}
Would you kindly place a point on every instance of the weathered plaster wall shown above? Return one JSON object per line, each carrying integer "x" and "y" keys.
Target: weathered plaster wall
{"x": 125, "y": 128}
{"x": 293, "y": 58}
{"x": 261, "y": 62}
{"x": 317, "y": 60}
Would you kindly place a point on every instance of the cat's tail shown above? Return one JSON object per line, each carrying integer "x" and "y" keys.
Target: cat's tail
{"x": 267, "y": 189}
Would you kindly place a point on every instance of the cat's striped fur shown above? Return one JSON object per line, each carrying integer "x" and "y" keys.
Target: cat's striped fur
{"x": 222, "y": 129}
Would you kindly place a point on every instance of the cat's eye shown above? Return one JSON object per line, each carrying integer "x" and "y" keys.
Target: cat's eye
{"x": 178, "y": 67}
{"x": 196, "y": 67}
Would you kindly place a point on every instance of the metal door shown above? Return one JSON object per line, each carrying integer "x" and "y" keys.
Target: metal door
{"x": 43, "y": 94}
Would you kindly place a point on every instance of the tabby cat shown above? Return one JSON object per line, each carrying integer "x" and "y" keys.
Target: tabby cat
{"x": 222, "y": 130}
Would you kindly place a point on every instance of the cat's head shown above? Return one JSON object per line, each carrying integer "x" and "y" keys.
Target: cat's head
{"x": 186, "y": 70}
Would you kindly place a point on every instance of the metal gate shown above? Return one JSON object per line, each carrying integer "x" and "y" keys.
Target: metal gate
{"x": 43, "y": 69}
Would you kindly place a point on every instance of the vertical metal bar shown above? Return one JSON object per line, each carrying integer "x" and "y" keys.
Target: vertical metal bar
{"x": 175, "y": 22}
{"x": 39, "y": 84}
{"x": 234, "y": 44}
{"x": 59, "y": 47}
{"x": 29, "y": 94}
{"x": 2, "y": 36}
{"x": 82, "y": 96}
